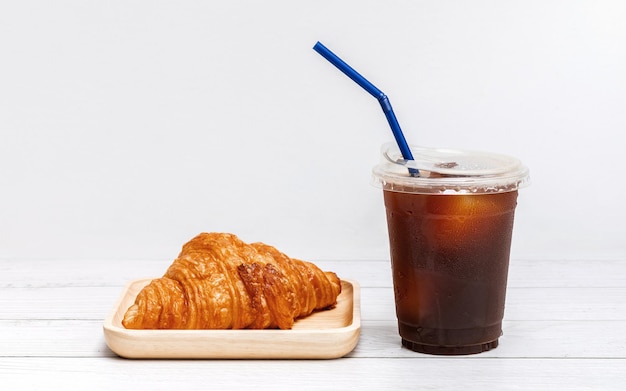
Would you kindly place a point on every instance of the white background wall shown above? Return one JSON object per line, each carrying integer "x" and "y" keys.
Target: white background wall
{"x": 127, "y": 127}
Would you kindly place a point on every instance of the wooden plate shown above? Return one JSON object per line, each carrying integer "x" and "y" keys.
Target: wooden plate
{"x": 322, "y": 335}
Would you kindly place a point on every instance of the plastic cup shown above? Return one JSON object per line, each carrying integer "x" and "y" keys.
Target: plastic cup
{"x": 450, "y": 238}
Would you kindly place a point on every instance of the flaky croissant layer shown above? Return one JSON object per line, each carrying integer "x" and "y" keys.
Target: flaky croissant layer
{"x": 220, "y": 282}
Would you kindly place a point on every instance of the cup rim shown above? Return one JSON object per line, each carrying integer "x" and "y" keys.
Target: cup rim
{"x": 449, "y": 171}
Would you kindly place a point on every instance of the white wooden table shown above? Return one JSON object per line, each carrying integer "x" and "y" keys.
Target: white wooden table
{"x": 564, "y": 329}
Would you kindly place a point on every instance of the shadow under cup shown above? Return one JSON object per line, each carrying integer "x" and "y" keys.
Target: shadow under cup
{"x": 450, "y": 232}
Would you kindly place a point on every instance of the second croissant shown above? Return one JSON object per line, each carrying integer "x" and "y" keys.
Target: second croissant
{"x": 221, "y": 282}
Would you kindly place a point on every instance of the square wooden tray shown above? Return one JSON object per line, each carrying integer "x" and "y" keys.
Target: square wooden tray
{"x": 322, "y": 335}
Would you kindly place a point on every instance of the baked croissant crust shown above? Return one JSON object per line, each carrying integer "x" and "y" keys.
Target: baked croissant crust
{"x": 220, "y": 282}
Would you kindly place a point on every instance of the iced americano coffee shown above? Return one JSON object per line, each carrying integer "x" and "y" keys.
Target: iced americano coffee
{"x": 450, "y": 218}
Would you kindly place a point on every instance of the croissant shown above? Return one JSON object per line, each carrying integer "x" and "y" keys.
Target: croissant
{"x": 220, "y": 282}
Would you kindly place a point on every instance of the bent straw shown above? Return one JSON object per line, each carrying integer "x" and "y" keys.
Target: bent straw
{"x": 376, "y": 93}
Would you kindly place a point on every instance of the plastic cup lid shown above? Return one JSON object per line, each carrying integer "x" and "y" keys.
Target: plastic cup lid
{"x": 444, "y": 170}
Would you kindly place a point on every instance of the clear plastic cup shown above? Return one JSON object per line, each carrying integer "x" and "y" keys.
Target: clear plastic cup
{"x": 450, "y": 237}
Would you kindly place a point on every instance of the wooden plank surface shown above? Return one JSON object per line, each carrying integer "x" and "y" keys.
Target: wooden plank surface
{"x": 416, "y": 373}
{"x": 116, "y": 272}
{"x": 564, "y": 329}
{"x": 521, "y": 339}
{"x": 522, "y": 303}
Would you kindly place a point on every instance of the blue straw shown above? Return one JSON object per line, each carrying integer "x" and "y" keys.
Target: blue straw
{"x": 376, "y": 93}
